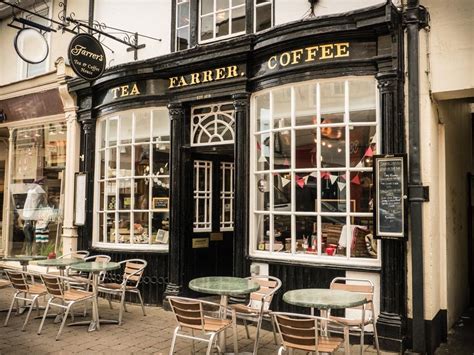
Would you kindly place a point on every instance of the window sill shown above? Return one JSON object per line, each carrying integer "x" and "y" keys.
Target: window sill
{"x": 132, "y": 247}
{"x": 319, "y": 261}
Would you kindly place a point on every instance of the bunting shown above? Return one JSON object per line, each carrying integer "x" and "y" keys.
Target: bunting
{"x": 341, "y": 185}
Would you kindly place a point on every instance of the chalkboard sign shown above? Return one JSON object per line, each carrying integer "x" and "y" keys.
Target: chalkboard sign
{"x": 390, "y": 194}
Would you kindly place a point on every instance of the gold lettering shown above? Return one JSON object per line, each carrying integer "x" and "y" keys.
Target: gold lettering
{"x": 285, "y": 62}
{"x": 173, "y": 82}
{"x": 326, "y": 51}
{"x": 124, "y": 91}
{"x": 135, "y": 90}
{"x": 311, "y": 53}
{"x": 207, "y": 76}
{"x": 296, "y": 56}
{"x": 195, "y": 78}
{"x": 342, "y": 49}
{"x": 114, "y": 91}
{"x": 269, "y": 63}
{"x": 182, "y": 81}
{"x": 220, "y": 73}
{"x": 232, "y": 71}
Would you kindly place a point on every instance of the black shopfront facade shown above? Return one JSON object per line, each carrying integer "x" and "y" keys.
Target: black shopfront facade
{"x": 251, "y": 153}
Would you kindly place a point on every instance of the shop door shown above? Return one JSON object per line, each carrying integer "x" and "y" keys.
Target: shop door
{"x": 210, "y": 245}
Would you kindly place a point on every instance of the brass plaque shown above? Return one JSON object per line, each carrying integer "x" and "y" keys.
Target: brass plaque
{"x": 200, "y": 243}
{"x": 217, "y": 237}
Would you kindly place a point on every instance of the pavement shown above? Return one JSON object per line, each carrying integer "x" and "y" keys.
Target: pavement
{"x": 460, "y": 337}
{"x": 138, "y": 334}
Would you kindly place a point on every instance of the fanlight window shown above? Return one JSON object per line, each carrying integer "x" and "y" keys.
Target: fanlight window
{"x": 212, "y": 124}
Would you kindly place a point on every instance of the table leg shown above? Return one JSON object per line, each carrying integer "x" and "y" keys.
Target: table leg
{"x": 222, "y": 336}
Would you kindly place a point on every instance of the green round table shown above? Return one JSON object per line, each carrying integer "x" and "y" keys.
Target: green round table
{"x": 95, "y": 268}
{"x": 224, "y": 286}
{"x": 60, "y": 264}
{"x": 24, "y": 260}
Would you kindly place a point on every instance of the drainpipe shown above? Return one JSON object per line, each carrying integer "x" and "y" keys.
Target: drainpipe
{"x": 415, "y": 18}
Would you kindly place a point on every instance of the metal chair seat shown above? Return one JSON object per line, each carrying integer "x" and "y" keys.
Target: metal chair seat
{"x": 114, "y": 286}
{"x": 76, "y": 295}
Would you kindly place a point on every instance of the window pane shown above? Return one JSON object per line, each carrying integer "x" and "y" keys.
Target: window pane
{"x": 306, "y": 235}
{"x": 363, "y": 243}
{"x": 102, "y": 164}
{"x": 362, "y": 145}
{"x": 263, "y": 18}
{"x": 262, "y": 1}
{"x": 207, "y": 6}
{"x": 125, "y": 162}
{"x": 282, "y": 108}
{"x": 111, "y": 167}
{"x": 161, "y": 125}
{"x": 101, "y": 196}
{"x": 282, "y": 192}
{"x": 125, "y": 132}
{"x": 142, "y": 191}
{"x": 142, "y": 126}
{"x": 222, "y": 23}
{"x": 125, "y": 191}
{"x": 124, "y": 228}
{"x": 262, "y": 202}
{"x": 103, "y": 136}
{"x": 238, "y": 2}
{"x": 262, "y": 103}
{"x": 362, "y": 100}
{"x": 361, "y": 191}
{"x": 333, "y": 152}
{"x": 112, "y": 131}
{"x": 183, "y": 14}
{"x": 306, "y": 148}
{"x": 332, "y": 102}
{"x": 282, "y": 233}
{"x": 306, "y": 192}
{"x": 160, "y": 228}
{"x": 207, "y": 25}
{"x": 333, "y": 236}
{"x": 305, "y": 102}
{"x": 140, "y": 226}
{"x": 333, "y": 191}
{"x": 110, "y": 228}
{"x": 182, "y": 38}
{"x": 262, "y": 232}
{"x": 222, "y": 4}
{"x": 161, "y": 154}
{"x": 282, "y": 149}
{"x": 142, "y": 160}
{"x": 238, "y": 19}
{"x": 111, "y": 195}
{"x": 263, "y": 151}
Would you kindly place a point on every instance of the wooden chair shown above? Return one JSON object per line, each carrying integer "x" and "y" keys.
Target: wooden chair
{"x": 304, "y": 332}
{"x": 259, "y": 305}
{"x": 132, "y": 275}
{"x": 364, "y": 315}
{"x": 29, "y": 293}
{"x": 62, "y": 298}
{"x": 190, "y": 316}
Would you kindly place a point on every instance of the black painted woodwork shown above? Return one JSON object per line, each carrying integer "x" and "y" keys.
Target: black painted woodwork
{"x": 380, "y": 25}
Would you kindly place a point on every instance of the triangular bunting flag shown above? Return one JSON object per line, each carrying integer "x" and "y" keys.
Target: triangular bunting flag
{"x": 284, "y": 182}
{"x": 356, "y": 180}
{"x": 314, "y": 174}
{"x": 369, "y": 152}
{"x": 262, "y": 159}
{"x": 343, "y": 176}
{"x": 333, "y": 178}
{"x": 325, "y": 175}
{"x": 258, "y": 146}
{"x": 359, "y": 165}
{"x": 286, "y": 162}
{"x": 299, "y": 181}
{"x": 341, "y": 185}
{"x": 305, "y": 179}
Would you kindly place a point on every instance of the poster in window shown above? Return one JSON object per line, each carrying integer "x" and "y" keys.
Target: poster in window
{"x": 160, "y": 204}
{"x": 390, "y": 195}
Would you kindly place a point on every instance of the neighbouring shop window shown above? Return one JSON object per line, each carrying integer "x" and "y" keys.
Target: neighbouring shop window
{"x": 263, "y": 14}
{"x": 219, "y": 19}
{"x": 38, "y": 160}
{"x": 182, "y": 24}
{"x": 132, "y": 179}
{"x": 40, "y": 68}
{"x": 311, "y": 185}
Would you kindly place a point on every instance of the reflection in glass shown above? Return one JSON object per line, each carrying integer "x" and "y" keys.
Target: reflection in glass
{"x": 282, "y": 149}
{"x": 222, "y": 23}
{"x": 362, "y": 94}
{"x": 263, "y": 112}
{"x": 333, "y": 151}
{"x": 362, "y": 145}
{"x": 262, "y": 232}
{"x": 263, "y": 194}
{"x": 332, "y": 102}
{"x": 282, "y": 108}
{"x": 263, "y": 151}
{"x": 306, "y": 234}
{"x": 306, "y": 148}
{"x": 263, "y": 18}
{"x": 282, "y": 233}
{"x": 333, "y": 191}
{"x": 282, "y": 192}
{"x": 333, "y": 236}
{"x": 361, "y": 191}
{"x": 305, "y": 105}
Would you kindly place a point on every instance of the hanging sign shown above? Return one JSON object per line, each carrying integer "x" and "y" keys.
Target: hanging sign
{"x": 86, "y": 56}
{"x": 31, "y": 45}
{"x": 390, "y": 195}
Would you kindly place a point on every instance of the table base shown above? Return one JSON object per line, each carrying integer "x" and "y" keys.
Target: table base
{"x": 93, "y": 325}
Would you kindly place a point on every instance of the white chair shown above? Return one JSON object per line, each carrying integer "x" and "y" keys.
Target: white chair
{"x": 363, "y": 315}
{"x": 191, "y": 318}
{"x": 85, "y": 281}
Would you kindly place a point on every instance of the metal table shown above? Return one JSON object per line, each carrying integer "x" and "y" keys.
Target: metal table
{"x": 24, "y": 260}
{"x": 325, "y": 299}
{"x": 95, "y": 269}
{"x": 224, "y": 286}
{"x": 60, "y": 264}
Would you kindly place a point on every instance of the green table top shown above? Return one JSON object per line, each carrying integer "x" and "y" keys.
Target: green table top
{"x": 59, "y": 263}
{"x": 323, "y": 298}
{"x": 223, "y": 285}
{"x": 24, "y": 258}
{"x": 95, "y": 266}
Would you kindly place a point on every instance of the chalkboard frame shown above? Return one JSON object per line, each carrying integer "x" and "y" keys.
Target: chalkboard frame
{"x": 401, "y": 233}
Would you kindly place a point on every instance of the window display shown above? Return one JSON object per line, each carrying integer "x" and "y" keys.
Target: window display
{"x": 132, "y": 179}
{"x": 312, "y": 148}
{"x": 36, "y": 188}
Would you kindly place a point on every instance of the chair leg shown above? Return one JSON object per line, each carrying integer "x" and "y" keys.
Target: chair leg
{"x": 141, "y": 302}
{"x": 280, "y": 351}
{"x": 274, "y": 330}
{"x": 362, "y": 340}
{"x": 346, "y": 341}
{"x": 246, "y": 329}
{"x": 33, "y": 301}
{"x": 10, "y": 309}
{"x": 109, "y": 298}
{"x": 259, "y": 325}
{"x": 173, "y": 342}
{"x": 209, "y": 347}
{"x": 63, "y": 322}
{"x": 125, "y": 307}
{"x": 44, "y": 317}
{"x": 234, "y": 329}
{"x": 376, "y": 338}
{"x": 192, "y": 333}
{"x": 122, "y": 306}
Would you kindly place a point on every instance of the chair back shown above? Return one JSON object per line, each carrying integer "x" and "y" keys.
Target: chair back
{"x": 98, "y": 258}
{"x": 134, "y": 269}
{"x": 53, "y": 285}
{"x": 18, "y": 280}
{"x": 362, "y": 286}
{"x": 188, "y": 312}
{"x": 262, "y": 298}
{"x": 79, "y": 254}
{"x": 297, "y": 331}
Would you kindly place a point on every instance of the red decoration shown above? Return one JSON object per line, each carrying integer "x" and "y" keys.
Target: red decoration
{"x": 369, "y": 152}
{"x": 356, "y": 180}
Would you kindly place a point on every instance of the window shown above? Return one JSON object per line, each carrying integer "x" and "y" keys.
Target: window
{"x": 202, "y": 196}
{"x": 36, "y": 188}
{"x": 219, "y": 19}
{"x": 263, "y": 14}
{"x": 212, "y": 124}
{"x": 182, "y": 24}
{"x": 132, "y": 180}
{"x": 312, "y": 147}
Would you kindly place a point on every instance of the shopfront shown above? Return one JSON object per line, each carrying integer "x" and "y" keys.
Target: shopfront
{"x": 252, "y": 154}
